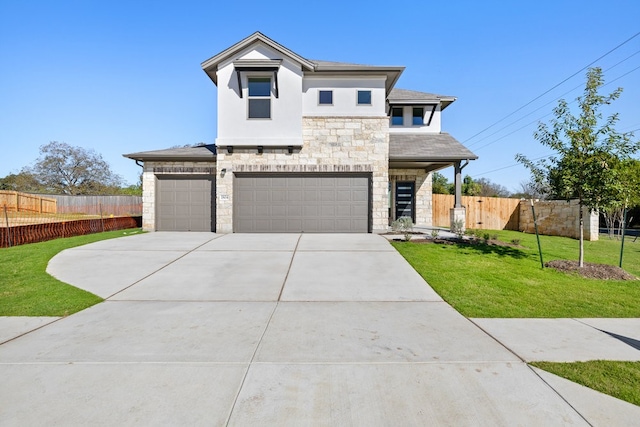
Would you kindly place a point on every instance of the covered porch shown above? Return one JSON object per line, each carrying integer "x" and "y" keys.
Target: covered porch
{"x": 413, "y": 157}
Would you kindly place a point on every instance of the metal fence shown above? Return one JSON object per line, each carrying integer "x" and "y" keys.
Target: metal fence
{"x": 23, "y": 222}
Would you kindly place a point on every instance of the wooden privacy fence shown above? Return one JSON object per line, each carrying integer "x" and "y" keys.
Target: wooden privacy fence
{"x": 22, "y": 202}
{"x": 489, "y": 213}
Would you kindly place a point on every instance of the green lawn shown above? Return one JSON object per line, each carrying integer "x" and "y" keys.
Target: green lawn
{"x": 618, "y": 379}
{"x": 495, "y": 281}
{"x": 27, "y": 290}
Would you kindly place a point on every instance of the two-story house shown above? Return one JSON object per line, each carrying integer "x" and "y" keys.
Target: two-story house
{"x": 303, "y": 146}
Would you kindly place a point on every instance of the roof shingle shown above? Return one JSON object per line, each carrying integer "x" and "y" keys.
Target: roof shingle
{"x": 427, "y": 147}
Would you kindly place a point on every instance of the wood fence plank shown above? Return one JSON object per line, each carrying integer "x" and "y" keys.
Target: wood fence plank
{"x": 486, "y": 213}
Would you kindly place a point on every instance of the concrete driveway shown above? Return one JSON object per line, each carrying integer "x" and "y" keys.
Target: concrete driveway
{"x": 247, "y": 329}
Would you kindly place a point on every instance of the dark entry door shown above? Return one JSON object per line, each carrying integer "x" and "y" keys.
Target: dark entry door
{"x": 405, "y": 200}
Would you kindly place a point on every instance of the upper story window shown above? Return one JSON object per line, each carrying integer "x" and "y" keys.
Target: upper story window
{"x": 397, "y": 118}
{"x": 259, "y": 97}
{"x": 418, "y": 116}
{"x": 325, "y": 97}
{"x": 364, "y": 97}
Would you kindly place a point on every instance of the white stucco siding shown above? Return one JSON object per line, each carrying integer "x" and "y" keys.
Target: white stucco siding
{"x": 434, "y": 127}
{"x": 344, "y": 96}
{"x": 285, "y": 125}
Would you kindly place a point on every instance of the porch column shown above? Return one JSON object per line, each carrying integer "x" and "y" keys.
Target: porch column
{"x": 458, "y": 184}
{"x": 457, "y": 214}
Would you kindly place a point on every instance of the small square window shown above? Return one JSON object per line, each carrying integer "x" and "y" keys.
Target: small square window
{"x": 364, "y": 97}
{"x": 397, "y": 118}
{"x": 418, "y": 116}
{"x": 325, "y": 97}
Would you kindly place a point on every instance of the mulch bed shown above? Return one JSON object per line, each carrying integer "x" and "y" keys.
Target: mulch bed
{"x": 591, "y": 271}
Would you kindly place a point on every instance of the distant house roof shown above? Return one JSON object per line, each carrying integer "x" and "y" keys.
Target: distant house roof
{"x": 409, "y": 97}
{"x": 198, "y": 153}
{"x": 440, "y": 147}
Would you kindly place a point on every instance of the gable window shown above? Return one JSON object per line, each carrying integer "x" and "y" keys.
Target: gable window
{"x": 259, "y": 98}
{"x": 364, "y": 97}
{"x": 418, "y": 116}
{"x": 325, "y": 97}
{"x": 397, "y": 118}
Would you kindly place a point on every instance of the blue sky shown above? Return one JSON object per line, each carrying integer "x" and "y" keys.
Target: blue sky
{"x": 125, "y": 76}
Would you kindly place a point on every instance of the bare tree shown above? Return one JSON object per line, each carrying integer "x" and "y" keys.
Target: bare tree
{"x": 64, "y": 169}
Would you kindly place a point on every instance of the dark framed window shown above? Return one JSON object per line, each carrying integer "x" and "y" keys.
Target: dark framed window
{"x": 418, "y": 116}
{"x": 259, "y": 99}
{"x": 397, "y": 118}
{"x": 325, "y": 97}
{"x": 364, "y": 97}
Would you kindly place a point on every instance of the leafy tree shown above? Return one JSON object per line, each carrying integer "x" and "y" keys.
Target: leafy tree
{"x": 131, "y": 190}
{"x": 440, "y": 184}
{"x": 628, "y": 194}
{"x": 586, "y": 151}
{"x": 470, "y": 187}
{"x": 64, "y": 169}
{"x": 23, "y": 181}
{"x": 492, "y": 189}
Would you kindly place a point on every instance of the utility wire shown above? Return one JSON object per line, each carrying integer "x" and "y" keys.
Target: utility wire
{"x": 549, "y": 90}
{"x": 510, "y": 166}
{"x": 538, "y": 119}
{"x": 544, "y": 105}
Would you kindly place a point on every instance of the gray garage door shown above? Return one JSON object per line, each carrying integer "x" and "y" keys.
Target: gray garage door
{"x": 185, "y": 203}
{"x": 301, "y": 203}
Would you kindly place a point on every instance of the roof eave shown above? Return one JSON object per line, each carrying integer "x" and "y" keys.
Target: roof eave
{"x": 164, "y": 158}
{"x": 432, "y": 159}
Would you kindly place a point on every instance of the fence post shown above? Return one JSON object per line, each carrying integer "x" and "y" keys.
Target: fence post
{"x": 101, "y": 218}
{"x": 6, "y": 218}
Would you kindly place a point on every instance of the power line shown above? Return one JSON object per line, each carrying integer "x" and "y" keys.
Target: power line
{"x": 539, "y": 118}
{"x": 550, "y": 102}
{"x": 510, "y": 166}
{"x": 549, "y": 90}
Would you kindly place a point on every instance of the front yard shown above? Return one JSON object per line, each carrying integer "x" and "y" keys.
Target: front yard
{"x": 506, "y": 281}
{"x": 27, "y": 290}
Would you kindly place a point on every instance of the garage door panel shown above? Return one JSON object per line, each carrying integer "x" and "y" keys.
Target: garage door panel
{"x": 185, "y": 203}
{"x": 301, "y": 203}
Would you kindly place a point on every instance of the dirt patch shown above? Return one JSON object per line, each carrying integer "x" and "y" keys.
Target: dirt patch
{"x": 591, "y": 271}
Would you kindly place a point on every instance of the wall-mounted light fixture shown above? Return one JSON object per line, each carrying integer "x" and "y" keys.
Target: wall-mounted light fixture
{"x": 290, "y": 149}
{"x": 223, "y": 172}
{"x": 260, "y": 149}
{"x": 230, "y": 149}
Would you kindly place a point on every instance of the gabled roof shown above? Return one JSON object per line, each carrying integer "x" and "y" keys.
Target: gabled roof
{"x": 440, "y": 147}
{"x": 210, "y": 66}
{"x": 412, "y": 97}
{"x": 198, "y": 153}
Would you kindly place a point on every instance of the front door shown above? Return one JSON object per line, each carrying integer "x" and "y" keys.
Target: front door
{"x": 405, "y": 198}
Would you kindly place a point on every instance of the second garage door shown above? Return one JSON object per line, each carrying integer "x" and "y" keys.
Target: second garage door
{"x": 301, "y": 203}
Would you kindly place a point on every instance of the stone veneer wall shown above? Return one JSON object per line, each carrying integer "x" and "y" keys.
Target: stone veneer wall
{"x": 151, "y": 169}
{"x": 423, "y": 199}
{"x": 330, "y": 144}
{"x": 558, "y": 218}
